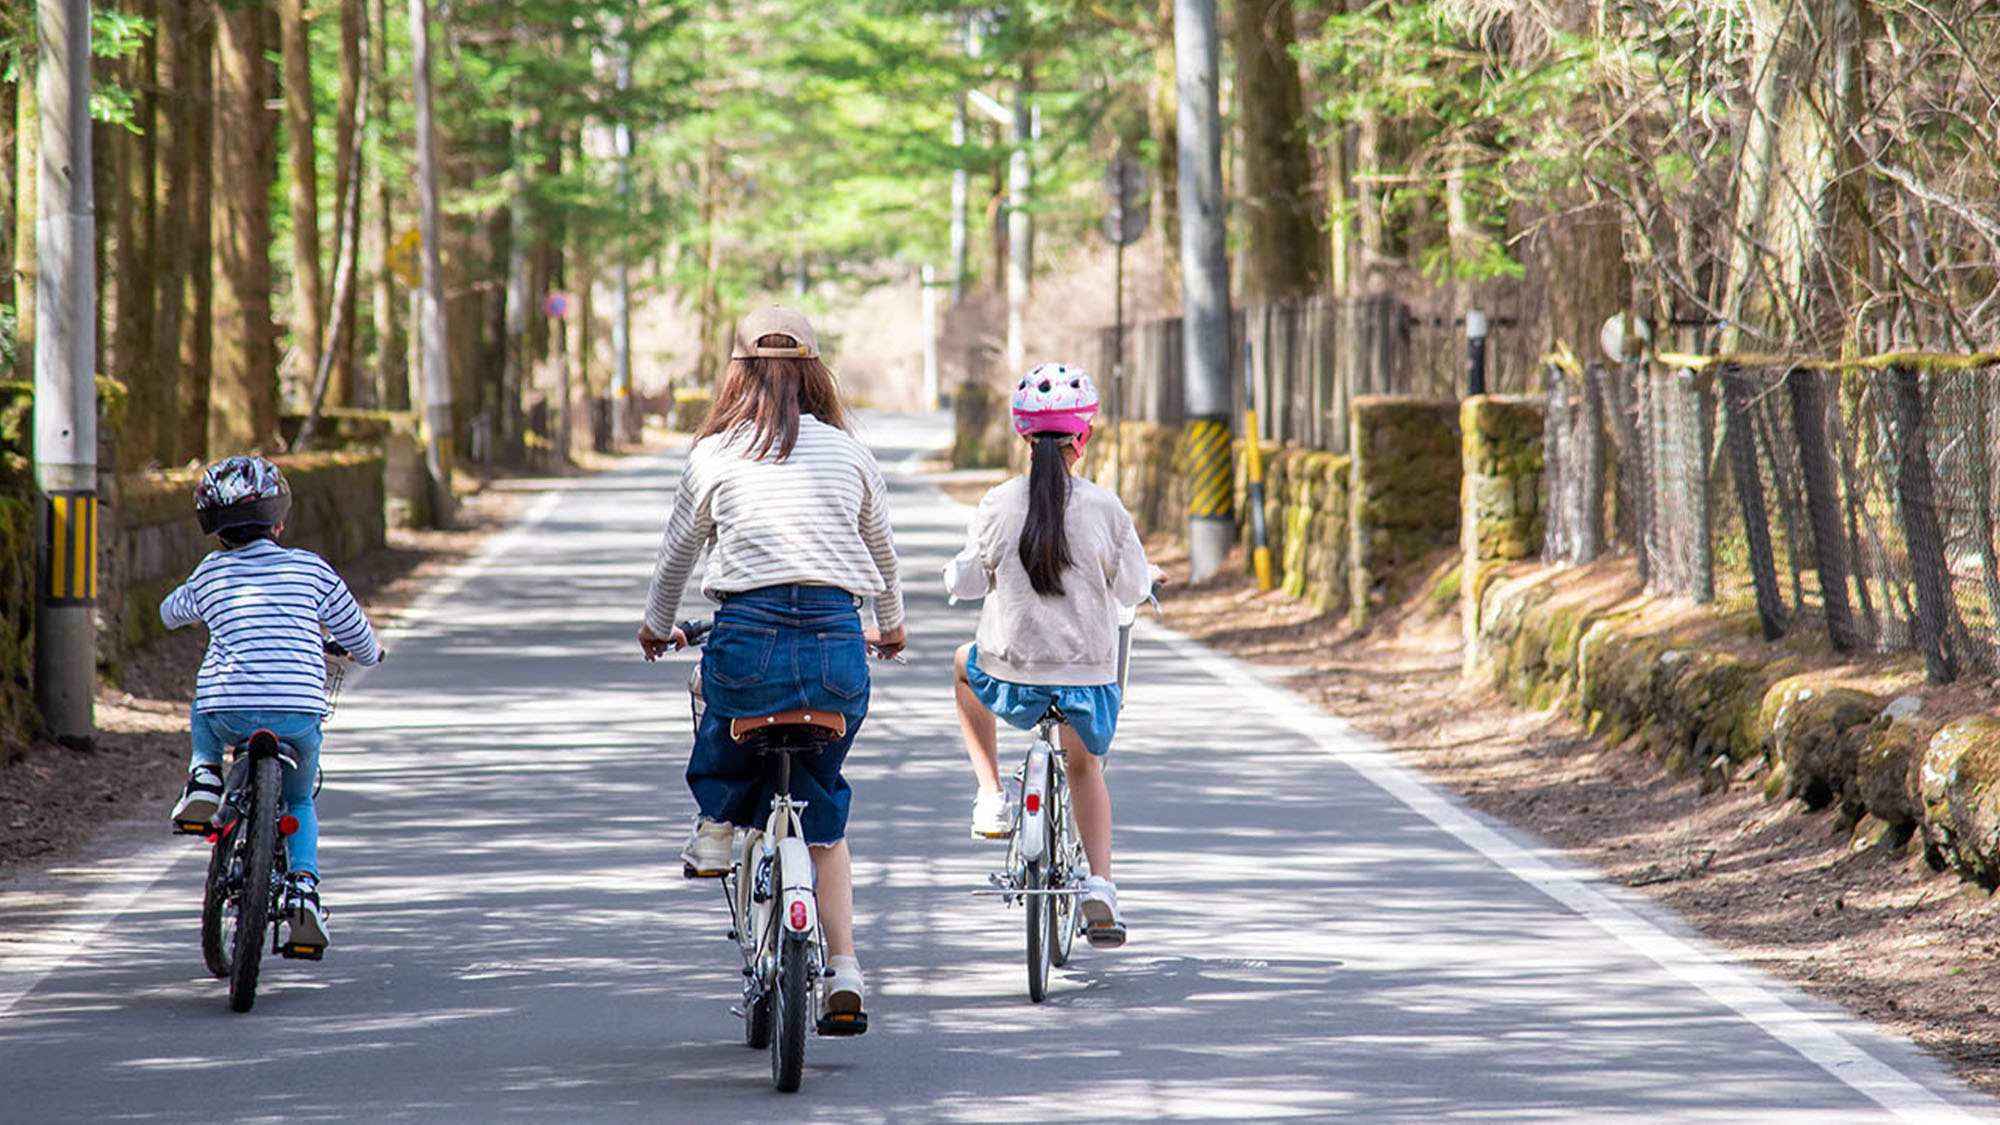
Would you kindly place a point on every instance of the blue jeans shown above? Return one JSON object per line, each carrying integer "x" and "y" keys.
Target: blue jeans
{"x": 211, "y": 731}
{"x": 781, "y": 648}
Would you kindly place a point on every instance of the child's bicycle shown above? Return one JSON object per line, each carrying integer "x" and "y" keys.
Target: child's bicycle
{"x": 1046, "y": 866}
{"x": 245, "y": 891}
{"x": 773, "y": 907}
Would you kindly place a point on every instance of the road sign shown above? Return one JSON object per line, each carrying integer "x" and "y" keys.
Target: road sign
{"x": 556, "y": 305}
{"x": 1123, "y": 228}
{"x": 403, "y": 258}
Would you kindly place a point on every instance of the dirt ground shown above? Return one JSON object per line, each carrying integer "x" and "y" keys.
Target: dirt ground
{"x": 1876, "y": 931}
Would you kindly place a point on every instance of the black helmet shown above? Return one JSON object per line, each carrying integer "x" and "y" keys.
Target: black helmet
{"x": 241, "y": 493}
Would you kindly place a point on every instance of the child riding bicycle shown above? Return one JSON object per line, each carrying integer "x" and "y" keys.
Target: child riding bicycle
{"x": 1055, "y": 557}
{"x": 265, "y": 669}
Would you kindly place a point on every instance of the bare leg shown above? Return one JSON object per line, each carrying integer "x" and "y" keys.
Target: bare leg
{"x": 835, "y": 869}
{"x": 1092, "y": 800}
{"x": 976, "y": 723}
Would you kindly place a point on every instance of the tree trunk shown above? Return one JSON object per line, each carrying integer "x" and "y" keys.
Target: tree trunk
{"x": 197, "y": 336}
{"x": 1283, "y": 253}
{"x": 243, "y": 407}
{"x": 150, "y": 421}
{"x": 308, "y": 286}
{"x": 392, "y": 373}
{"x": 343, "y": 389}
{"x": 1167, "y": 140}
{"x": 9, "y": 151}
{"x": 174, "y": 171}
{"x": 708, "y": 367}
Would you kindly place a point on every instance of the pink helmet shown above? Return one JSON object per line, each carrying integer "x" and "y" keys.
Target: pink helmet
{"x": 1054, "y": 398}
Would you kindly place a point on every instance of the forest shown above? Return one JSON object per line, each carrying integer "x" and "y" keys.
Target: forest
{"x": 1791, "y": 176}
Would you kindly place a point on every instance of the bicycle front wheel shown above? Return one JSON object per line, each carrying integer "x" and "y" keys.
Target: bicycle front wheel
{"x": 792, "y": 1002}
{"x": 1066, "y": 866}
{"x": 260, "y": 876}
{"x": 215, "y": 933}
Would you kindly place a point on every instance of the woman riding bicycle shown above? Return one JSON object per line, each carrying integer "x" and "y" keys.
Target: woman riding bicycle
{"x": 794, "y": 513}
{"x": 1054, "y": 557}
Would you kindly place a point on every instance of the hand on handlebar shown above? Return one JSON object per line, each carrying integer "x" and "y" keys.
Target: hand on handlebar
{"x": 653, "y": 646}
{"x": 887, "y": 645}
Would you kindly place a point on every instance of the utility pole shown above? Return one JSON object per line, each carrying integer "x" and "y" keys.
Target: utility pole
{"x": 65, "y": 378}
{"x": 621, "y": 301}
{"x": 439, "y": 443}
{"x": 1205, "y": 285}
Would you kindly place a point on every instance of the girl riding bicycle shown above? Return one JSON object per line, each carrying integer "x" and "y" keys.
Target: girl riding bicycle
{"x": 1055, "y": 557}
{"x": 794, "y": 513}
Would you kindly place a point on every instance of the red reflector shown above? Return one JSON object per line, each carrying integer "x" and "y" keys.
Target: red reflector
{"x": 287, "y": 825}
{"x": 1033, "y": 803}
{"x": 798, "y": 915}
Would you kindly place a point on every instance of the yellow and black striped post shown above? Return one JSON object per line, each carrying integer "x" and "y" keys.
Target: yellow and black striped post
{"x": 69, "y": 549}
{"x": 1206, "y": 454}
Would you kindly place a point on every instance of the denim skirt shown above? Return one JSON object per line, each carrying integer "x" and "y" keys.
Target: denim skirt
{"x": 779, "y": 648}
{"x": 1092, "y": 710}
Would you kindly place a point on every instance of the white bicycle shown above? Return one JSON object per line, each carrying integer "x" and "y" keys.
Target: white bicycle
{"x": 773, "y": 907}
{"x": 1046, "y": 865}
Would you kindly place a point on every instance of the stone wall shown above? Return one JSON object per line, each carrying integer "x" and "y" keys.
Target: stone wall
{"x": 1693, "y": 688}
{"x": 1404, "y": 493}
{"x": 151, "y": 539}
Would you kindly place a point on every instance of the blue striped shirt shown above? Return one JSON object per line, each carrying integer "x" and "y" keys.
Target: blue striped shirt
{"x": 264, "y": 606}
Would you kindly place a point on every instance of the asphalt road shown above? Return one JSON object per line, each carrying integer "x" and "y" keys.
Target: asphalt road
{"x": 1316, "y": 933}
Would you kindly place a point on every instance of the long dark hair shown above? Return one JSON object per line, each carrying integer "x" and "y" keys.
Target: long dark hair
{"x": 1044, "y": 541}
{"x": 770, "y": 394}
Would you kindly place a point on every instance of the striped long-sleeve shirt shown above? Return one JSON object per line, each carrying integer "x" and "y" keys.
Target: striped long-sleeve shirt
{"x": 819, "y": 517}
{"x": 264, "y": 605}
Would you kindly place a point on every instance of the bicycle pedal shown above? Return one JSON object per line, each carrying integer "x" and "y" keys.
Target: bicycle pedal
{"x": 843, "y": 1024}
{"x": 193, "y": 828}
{"x": 688, "y": 872}
{"x": 297, "y": 952}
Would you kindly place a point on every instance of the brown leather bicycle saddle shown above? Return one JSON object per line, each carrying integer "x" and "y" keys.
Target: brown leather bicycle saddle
{"x": 833, "y": 722}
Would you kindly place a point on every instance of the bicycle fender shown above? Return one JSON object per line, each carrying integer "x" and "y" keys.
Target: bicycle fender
{"x": 1035, "y": 803}
{"x": 801, "y": 905}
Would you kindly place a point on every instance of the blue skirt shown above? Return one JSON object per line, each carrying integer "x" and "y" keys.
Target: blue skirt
{"x": 781, "y": 648}
{"x": 1091, "y": 711}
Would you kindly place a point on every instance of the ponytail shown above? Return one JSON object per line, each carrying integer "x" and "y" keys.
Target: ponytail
{"x": 1044, "y": 542}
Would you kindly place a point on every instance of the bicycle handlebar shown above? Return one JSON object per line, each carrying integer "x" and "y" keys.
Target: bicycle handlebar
{"x": 695, "y": 632}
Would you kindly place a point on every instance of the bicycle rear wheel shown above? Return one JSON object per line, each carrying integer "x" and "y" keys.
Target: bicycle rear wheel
{"x": 1041, "y": 906}
{"x": 253, "y": 905}
{"x": 790, "y": 1013}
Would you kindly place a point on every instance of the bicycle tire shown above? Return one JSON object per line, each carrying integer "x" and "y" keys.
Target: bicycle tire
{"x": 1066, "y": 851}
{"x": 214, "y": 908}
{"x": 253, "y": 905}
{"x": 791, "y": 1013}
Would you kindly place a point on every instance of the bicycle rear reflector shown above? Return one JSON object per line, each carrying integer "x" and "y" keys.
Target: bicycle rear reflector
{"x": 1032, "y": 802}
{"x": 798, "y": 915}
{"x": 287, "y": 825}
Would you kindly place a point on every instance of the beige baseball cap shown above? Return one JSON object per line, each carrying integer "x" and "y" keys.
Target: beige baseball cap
{"x": 775, "y": 320}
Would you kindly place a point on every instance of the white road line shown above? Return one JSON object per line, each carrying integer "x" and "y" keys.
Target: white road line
{"x": 26, "y": 964}
{"x": 1734, "y": 986}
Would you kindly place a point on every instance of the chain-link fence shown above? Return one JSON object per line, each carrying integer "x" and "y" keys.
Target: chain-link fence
{"x": 1859, "y": 502}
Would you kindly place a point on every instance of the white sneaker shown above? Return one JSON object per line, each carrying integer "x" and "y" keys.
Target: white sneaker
{"x": 991, "y": 815}
{"x": 1101, "y": 922}
{"x": 201, "y": 796}
{"x": 840, "y": 1011}
{"x": 707, "y": 852}
{"x": 309, "y": 918}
